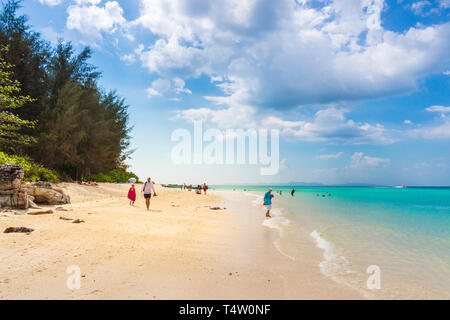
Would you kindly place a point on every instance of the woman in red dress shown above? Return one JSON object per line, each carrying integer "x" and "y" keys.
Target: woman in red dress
{"x": 132, "y": 195}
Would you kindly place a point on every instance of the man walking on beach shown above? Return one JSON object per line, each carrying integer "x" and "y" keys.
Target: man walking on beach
{"x": 268, "y": 202}
{"x": 148, "y": 189}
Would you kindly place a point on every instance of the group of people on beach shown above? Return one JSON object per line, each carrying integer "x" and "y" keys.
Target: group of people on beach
{"x": 149, "y": 190}
{"x": 198, "y": 189}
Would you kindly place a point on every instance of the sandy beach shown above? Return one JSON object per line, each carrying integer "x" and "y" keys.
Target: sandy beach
{"x": 181, "y": 249}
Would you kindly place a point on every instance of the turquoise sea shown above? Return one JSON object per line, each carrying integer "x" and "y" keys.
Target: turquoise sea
{"x": 403, "y": 232}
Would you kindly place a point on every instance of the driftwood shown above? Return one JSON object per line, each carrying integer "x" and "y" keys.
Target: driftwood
{"x": 218, "y": 208}
{"x": 18, "y": 230}
{"x": 38, "y": 213}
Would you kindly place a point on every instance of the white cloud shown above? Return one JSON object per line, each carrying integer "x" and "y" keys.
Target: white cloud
{"x": 439, "y": 131}
{"x": 328, "y": 125}
{"x": 407, "y": 122}
{"x": 444, "y": 4}
{"x": 237, "y": 116}
{"x": 92, "y": 19}
{"x": 79, "y": 2}
{"x": 128, "y": 58}
{"x": 359, "y": 160}
{"x": 162, "y": 86}
{"x": 447, "y": 73}
{"x": 179, "y": 86}
{"x": 50, "y": 34}
{"x": 51, "y": 2}
{"x": 91, "y": 2}
{"x": 152, "y": 92}
{"x": 440, "y": 109}
{"x": 131, "y": 57}
{"x": 169, "y": 58}
{"x": 329, "y": 156}
{"x": 419, "y": 6}
{"x": 284, "y": 53}
{"x": 331, "y": 125}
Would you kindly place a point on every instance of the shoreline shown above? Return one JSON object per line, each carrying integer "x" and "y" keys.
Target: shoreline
{"x": 353, "y": 242}
{"x": 180, "y": 250}
{"x": 307, "y": 260}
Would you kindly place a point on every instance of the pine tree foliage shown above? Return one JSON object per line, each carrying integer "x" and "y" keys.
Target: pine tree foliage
{"x": 70, "y": 123}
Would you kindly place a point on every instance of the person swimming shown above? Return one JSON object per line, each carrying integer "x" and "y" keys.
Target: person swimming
{"x": 292, "y": 192}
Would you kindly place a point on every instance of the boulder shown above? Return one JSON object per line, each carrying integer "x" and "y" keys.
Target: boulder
{"x": 45, "y": 193}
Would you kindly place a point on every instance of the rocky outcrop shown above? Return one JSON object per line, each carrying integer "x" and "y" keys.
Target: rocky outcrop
{"x": 11, "y": 177}
{"x": 45, "y": 193}
{"x": 11, "y": 195}
{"x": 16, "y": 194}
{"x": 13, "y": 199}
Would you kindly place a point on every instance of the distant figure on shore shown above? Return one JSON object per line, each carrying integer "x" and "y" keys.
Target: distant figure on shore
{"x": 205, "y": 187}
{"x": 199, "y": 189}
{"x": 147, "y": 189}
{"x": 292, "y": 192}
{"x": 268, "y": 202}
{"x": 190, "y": 187}
{"x": 132, "y": 195}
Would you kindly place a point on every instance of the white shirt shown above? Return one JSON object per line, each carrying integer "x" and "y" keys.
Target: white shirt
{"x": 148, "y": 188}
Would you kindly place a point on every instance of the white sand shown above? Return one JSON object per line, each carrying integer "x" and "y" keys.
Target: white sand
{"x": 180, "y": 250}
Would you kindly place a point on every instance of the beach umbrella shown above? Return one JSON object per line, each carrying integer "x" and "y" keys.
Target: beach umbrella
{"x": 132, "y": 180}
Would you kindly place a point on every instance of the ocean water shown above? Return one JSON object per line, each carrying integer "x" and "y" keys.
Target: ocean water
{"x": 404, "y": 233}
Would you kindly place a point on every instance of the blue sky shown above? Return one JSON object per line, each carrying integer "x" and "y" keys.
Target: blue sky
{"x": 359, "y": 89}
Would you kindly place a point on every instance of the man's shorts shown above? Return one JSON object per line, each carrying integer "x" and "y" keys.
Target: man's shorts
{"x": 147, "y": 195}
{"x": 269, "y": 207}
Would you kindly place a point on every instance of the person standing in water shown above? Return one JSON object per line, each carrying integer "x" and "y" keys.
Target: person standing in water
{"x": 148, "y": 189}
{"x": 268, "y": 202}
{"x": 132, "y": 195}
{"x": 292, "y": 192}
